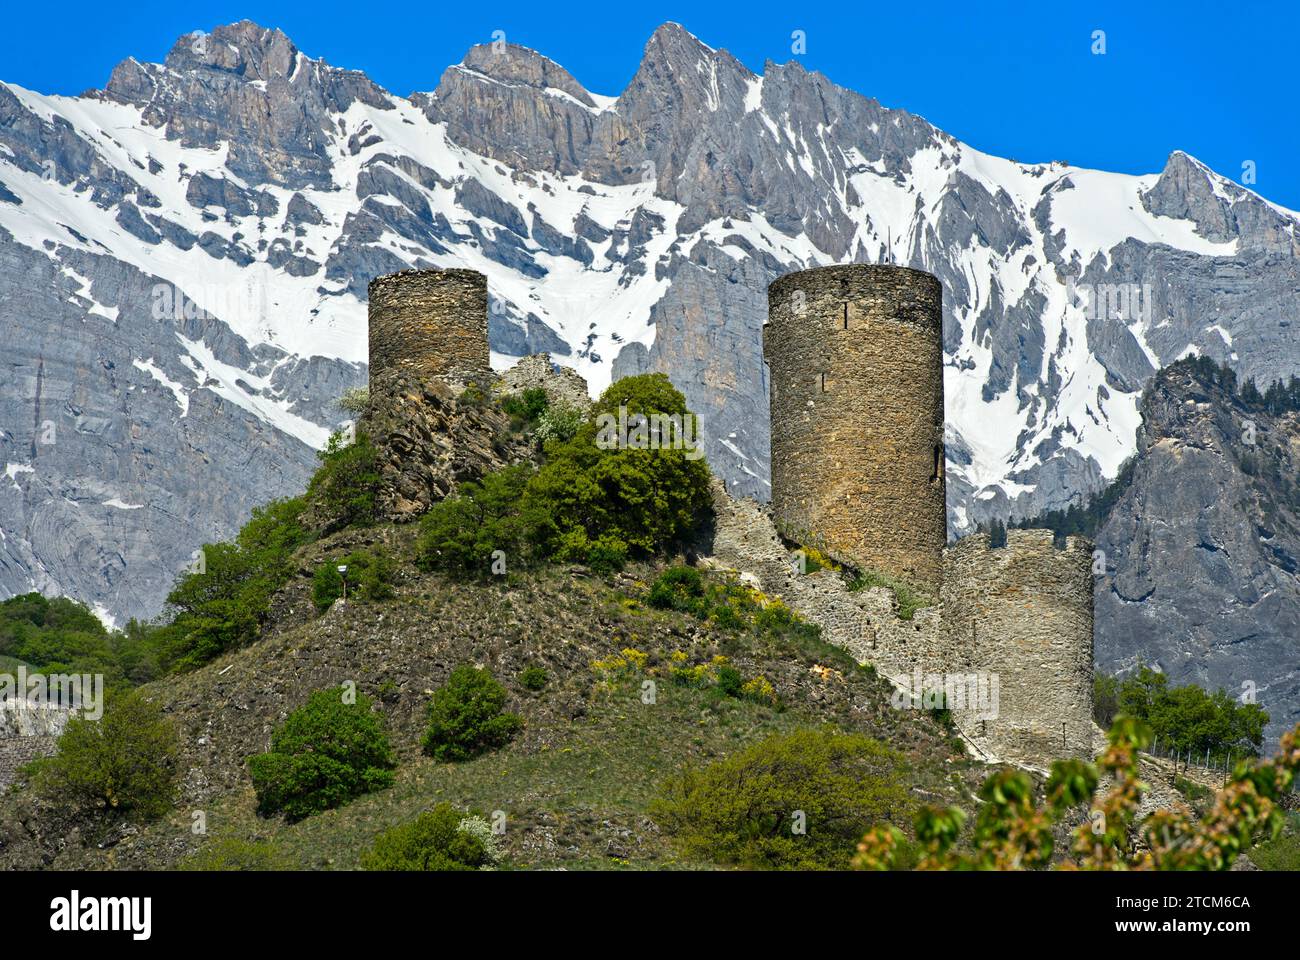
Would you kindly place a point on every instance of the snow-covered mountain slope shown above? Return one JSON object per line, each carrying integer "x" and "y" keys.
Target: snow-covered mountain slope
{"x": 184, "y": 257}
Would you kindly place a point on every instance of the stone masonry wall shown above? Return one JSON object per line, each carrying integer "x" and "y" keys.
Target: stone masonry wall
{"x": 1030, "y": 604}
{"x": 564, "y": 387}
{"x": 856, "y": 360}
{"x": 430, "y": 324}
{"x": 1023, "y": 612}
{"x": 25, "y": 734}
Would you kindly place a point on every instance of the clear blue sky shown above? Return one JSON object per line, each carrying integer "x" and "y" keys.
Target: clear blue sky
{"x": 1218, "y": 80}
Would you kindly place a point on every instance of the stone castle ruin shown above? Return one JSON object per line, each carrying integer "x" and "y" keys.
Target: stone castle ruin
{"x": 855, "y": 356}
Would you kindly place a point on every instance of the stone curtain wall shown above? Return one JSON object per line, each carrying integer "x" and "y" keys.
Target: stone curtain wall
{"x": 430, "y": 324}
{"x": 563, "y": 387}
{"x": 1024, "y": 613}
{"x": 856, "y": 361}
{"x": 25, "y": 734}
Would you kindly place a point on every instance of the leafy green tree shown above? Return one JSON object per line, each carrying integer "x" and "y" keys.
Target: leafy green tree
{"x": 646, "y": 498}
{"x": 1188, "y": 718}
{"x": 223, "y": 605}
{"x": 347, "y": 483}
{"x": 794, "y": 801}
{"x": 123, "y": 763}
{"x": 467, "y": 716}
{"x": 325, "y": 754}
{"x": 460, "y": 534}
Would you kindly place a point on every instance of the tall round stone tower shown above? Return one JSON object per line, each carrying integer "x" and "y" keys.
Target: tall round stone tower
{"x": 430, "y": 324}
{"x": 856, "y": 361}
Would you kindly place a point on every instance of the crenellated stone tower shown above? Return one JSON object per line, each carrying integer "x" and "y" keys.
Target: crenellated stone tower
{"x": 1023, "y": 612}
{"x": 856, "y": 371}
{"x": 430, "y": 324}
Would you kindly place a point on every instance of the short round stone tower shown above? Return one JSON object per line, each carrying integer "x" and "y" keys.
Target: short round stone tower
{"x": 1022, "y": 613}
{"x": 430, "y": 324}
{"x": 856, "y": 370}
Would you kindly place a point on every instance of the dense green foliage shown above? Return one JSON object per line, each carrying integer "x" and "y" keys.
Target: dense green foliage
{"x": 326, "y": 753}
{"x": 441, "y": 839}
{"x": 223, "y": 605}
{"x": 124, "y": 763}
{"x": 61, "y": 636}
{"x": 347, "y": 482}
{"x": 597, "y": 493}
{"x": 467, "y": 718}
{"x": 1181, "y": 718}
{"x": 369, "y": 578}
{"x": 587, "y": 503}
{"x": 460, "y": 534}
{"x": 797, "y": 801}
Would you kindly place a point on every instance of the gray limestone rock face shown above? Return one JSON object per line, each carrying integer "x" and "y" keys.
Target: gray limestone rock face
{"x": 1203, "y": 548}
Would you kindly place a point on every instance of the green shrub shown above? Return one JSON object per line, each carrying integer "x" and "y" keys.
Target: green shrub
{"x": 459, "y": 535}
{"x": 326, "y": 753}
{"x": 466, "y": 716}
{"x": 677, "y": 588}
{"x": 125, "y": 762}
{"x": 441, "y": 839}
{"x": 369, "y": 576}
{"x": 533, "y": 678}
{"x": 746, "y": 809}
{"x": 232, "y": 853}
{"x": 326, "y": 585}
{"x": 558, "y": 424}
{"x": 908, "y": 598}
{"x": 347, "y": 482}
{"x": 525, "y": 408}
{"x": 730, "y": 681}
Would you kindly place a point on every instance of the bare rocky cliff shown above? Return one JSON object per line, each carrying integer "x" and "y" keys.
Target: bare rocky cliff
{"x": 1202, "y": 550}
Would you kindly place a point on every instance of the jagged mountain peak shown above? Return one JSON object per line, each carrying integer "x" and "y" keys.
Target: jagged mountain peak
{"x": 512, "y": 63}
{"x": 245, "y": 49}
{"x": 1222, "y": 210}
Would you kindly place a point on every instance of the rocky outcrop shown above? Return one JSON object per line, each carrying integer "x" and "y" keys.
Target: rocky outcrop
{"x": 1202, "y": 550}
{"x": 429, "y": 440}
